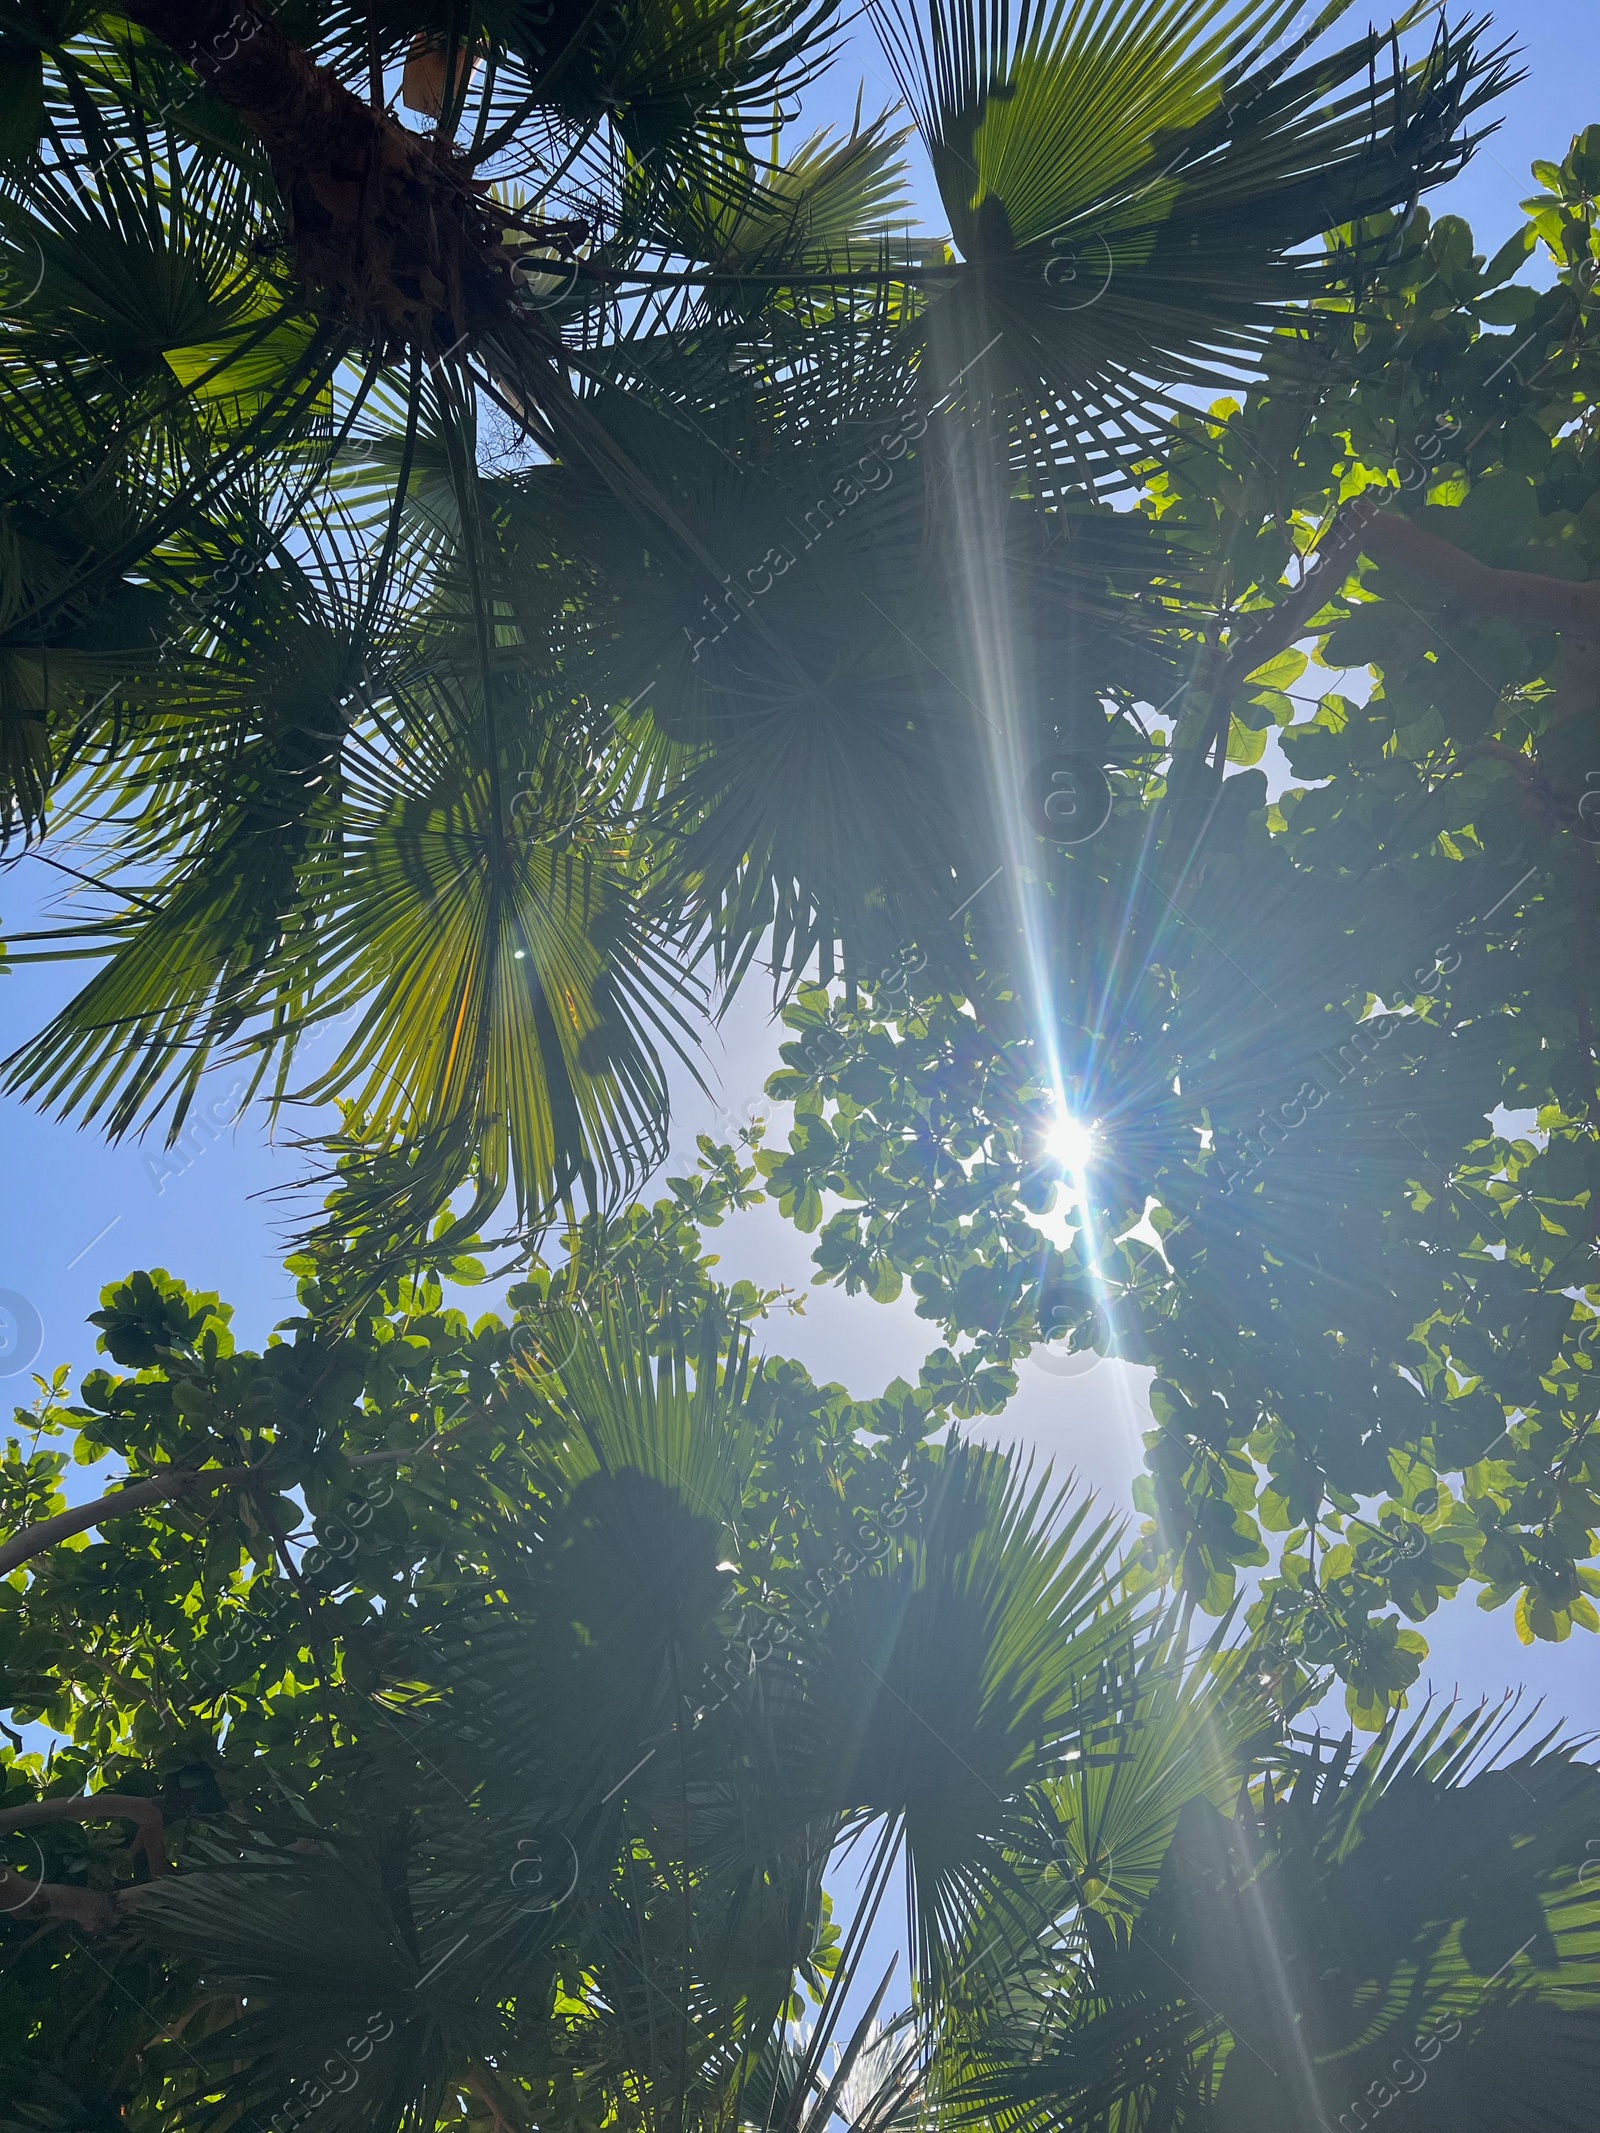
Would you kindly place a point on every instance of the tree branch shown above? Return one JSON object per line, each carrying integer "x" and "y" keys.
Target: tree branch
{"x": 1329, "y": 565}
{"x": 1569, "y": 606}
{"x": 428, "y": 1444}
{"x": 1522, "y": 595}
{"x": 1334, "y": 559}
{"x": 63, "y": 1902}
{"x": 501, "y": 2107}
{"x": 46, "y": 1533}
{"x": 59, "y": 1902}
{"x": 151, "y": 1840}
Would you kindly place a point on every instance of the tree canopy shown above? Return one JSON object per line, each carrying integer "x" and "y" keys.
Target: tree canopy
{"x": 484, "y": 579}
{"x": 1290, "y": 1031}
{"x": 477, "y": 573}
{"x": 456, "y": 1722}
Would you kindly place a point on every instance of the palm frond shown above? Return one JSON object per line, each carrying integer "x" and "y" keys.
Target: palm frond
{"x": 1414, "y": 1921}
{"x": 1132, "y": 203}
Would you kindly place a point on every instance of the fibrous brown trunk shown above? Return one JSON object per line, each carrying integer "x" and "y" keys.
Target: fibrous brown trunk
{"x": 389, "y": 227}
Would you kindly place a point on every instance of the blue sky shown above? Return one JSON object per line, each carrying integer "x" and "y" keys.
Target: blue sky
{"x": 81, "y": 1213}
{"x": 1559, "y": 43}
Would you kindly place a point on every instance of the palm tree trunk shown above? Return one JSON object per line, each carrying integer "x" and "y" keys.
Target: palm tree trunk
{"x": 391, "y": 232}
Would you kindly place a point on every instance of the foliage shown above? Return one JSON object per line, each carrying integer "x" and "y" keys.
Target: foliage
{"x": 508, "y": 1798}
{"x": 370, "y": 488}
{"x": 1297, "y": 1026}
{"x": 487, "y": 1742}
{"x": 1412, "y": 1929}
{"x": 403, "y": 1400}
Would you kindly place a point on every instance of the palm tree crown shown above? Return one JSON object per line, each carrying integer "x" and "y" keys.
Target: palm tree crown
{"x": 460, "y": 573}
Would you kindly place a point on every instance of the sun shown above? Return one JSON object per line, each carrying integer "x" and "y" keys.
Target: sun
{"x": 1071, "y": 1143}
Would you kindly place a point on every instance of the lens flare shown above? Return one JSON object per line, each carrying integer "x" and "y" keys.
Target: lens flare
{"x": 1072, "y": 1144}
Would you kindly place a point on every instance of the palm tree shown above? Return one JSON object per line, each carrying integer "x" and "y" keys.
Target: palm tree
{"x": 1405, "y": 1939}
{"x": 550, "y": 1847}
{"x": 447, "y": 595}
{"x": 563, "y": 1861}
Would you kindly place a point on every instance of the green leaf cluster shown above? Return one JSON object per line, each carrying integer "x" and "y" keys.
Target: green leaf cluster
{"x": 1297, "y": 1026}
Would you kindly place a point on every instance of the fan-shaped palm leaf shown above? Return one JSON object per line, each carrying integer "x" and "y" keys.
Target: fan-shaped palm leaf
{"x": 1130, "y": 183}
{"x": 719, "y": 350}
{"x": 1415, "y": 1927}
